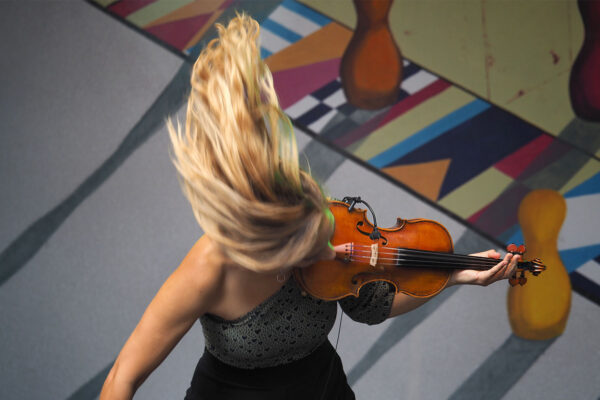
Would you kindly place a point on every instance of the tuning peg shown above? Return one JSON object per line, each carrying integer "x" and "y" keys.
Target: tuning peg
{"x": 522, "y": 279}
{"x": 514, "y": 249}
{"x": 513, "y": 280}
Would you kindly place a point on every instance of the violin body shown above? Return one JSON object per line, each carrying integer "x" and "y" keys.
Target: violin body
{"x": 335, "y": 279}
{"x": 415, "y": 256}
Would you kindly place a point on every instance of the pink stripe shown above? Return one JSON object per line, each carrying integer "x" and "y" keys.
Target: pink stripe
{"x": 501, "y": 213}
{"x": 473, "y": 218}
{"x": 514, "y": 164}
{"x": 179, "y": 33}
{"x": 293, "y": 84}
{"x": 398, "y": 109}
{"x": 410, "y": 102}
{"x": 225, "y": 4}
{"x": 125, "y": 7}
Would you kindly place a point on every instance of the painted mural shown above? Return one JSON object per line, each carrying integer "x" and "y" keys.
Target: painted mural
{"x": 461, "y": 151}
{"x": 502, "y": 133}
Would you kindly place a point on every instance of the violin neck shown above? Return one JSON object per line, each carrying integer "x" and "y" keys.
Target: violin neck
{"x": 428, "y": 259}
{"x": 411, "y": 258}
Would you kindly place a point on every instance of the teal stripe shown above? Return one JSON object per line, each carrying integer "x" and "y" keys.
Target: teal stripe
{"x": 591, "y": 186}
{"x": 516, "y": 238}
{"x": 30, "y": 241}
{"x": 306, "y": 12}
{"x": 280, "y": 31}
{"x": 429, "y": 133}
{"x": 575, "y": 258}
{"x": 494, "y": 378}
{"x": 571, "y": 258}
{"x": 264, "y": 53}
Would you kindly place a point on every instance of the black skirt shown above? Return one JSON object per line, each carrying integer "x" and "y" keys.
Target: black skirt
{"x": 319, "y": 375}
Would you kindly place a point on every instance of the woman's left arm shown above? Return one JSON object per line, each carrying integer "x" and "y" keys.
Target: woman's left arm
{"x": 504, "y": 269}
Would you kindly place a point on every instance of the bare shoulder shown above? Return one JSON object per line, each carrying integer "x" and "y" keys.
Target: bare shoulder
{"x": 202, "y": 267}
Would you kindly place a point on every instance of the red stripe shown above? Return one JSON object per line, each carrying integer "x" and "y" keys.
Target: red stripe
{"x": 473, "y": 218}
{"x": 125, "y": 7}
{"x": 398, "y": 109}
{"x": 178, "y": 33}
{"x": 226, "y": 4}
{"x": 293, "y": 84}
{"x": 514, "y": 164}
{"x": 412, "y": 101}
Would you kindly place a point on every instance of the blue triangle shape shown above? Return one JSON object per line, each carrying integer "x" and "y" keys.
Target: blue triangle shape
{"x": 515, "y": 235}
{"x": 575, "y": 258}
{"x": 591, "y": 186}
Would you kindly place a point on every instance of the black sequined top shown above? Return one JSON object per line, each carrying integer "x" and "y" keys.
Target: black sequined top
{"x": 288, "y": 326}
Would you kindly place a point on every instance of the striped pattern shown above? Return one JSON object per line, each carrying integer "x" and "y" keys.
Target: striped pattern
{"x": 431, "y": 132}
{"x": 483, "y": 193}
{"x": 379, "y": 138}
{"x": 183, "y": 23}
{"x": 287, "y": 24}
{"x": 327, "y": 106}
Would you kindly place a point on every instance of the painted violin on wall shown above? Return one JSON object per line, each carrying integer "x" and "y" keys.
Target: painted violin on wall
{"x": 416, "y": 256}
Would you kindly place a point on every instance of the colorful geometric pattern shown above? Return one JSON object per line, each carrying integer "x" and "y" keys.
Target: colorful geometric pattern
{"x": 471, "y": 158}
{"x": 179, "y": 23}
{"x": 327, "y": 108}
{"x": 518, "y": 56}
{"x": 183, "y": 24}
{"x": 287, "y": 24}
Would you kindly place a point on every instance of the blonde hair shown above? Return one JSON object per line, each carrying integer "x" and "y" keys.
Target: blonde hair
{"x": 238, "y": 161}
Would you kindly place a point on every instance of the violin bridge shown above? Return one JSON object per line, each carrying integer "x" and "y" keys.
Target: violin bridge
{"x": 374, "y": 255}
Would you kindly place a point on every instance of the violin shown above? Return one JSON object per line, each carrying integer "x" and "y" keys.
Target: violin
{"x": 415, "y": 256}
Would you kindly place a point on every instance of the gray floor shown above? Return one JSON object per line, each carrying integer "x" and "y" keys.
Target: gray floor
{"x": 73, "y": 84}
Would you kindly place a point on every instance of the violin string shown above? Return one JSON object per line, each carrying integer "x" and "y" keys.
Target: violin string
{"x": 394, "y": 251}
{"x": 400, "y": 255}
{"x": 426, "y": 263}
{"x": 490, "y": 262}
{"x": 410, "y": 251}
{"x": 431, "y": 264}
{"x": 413, "y": 251}
{"x": 432, "y": 255}
{"x": 486, "y": 264}
{"x": 448, "y": 257}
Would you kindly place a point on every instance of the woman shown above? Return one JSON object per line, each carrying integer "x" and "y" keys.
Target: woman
{"x": 262, "y": 215}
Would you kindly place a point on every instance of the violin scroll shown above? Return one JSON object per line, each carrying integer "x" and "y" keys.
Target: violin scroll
{"x": 534, "y": 266}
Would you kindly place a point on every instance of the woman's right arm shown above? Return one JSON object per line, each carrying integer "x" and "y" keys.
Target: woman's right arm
{"x": 187, "y": 294}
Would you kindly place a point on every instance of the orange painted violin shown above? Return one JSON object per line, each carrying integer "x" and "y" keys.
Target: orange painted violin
{"x": 416, "y": 256}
